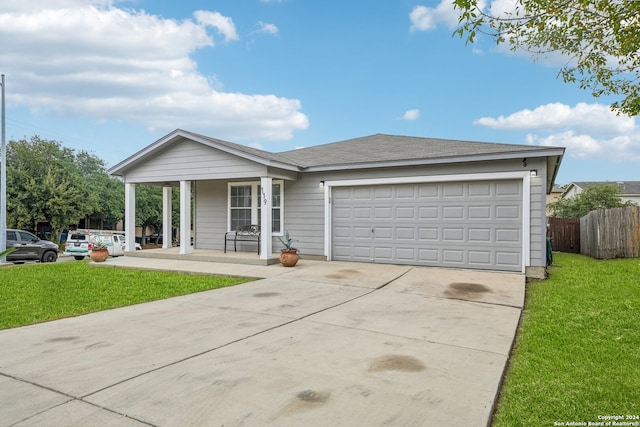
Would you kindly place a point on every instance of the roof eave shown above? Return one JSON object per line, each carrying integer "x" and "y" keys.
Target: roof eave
{"x": 440, "y": 160}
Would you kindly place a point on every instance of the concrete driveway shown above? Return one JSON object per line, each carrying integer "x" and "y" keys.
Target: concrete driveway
{"x": 323, "y": 344}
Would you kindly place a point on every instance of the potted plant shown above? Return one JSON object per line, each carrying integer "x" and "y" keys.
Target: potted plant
{"x": 99, "y": 251}
{"x": 289, "y": 255}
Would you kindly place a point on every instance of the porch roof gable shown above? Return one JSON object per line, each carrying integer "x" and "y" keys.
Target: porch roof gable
{"x": 249, "y": 153}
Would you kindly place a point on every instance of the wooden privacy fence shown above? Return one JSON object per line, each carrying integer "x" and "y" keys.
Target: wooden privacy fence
{"x": 565, "y": 234}
{"x": 611, "y": 233}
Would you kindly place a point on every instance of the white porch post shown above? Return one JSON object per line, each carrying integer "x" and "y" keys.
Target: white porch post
{"x": 130, "y": 217}
{"x": 185, "y": 218}
{"x": 266, "y": 245}
{"x": 167, "y": 226}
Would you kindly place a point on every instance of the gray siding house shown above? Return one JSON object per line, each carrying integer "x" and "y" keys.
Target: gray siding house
{"x": 378, "y": 199}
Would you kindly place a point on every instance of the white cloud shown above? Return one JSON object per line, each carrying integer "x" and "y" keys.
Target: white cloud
{"x": 223, "y": 24}
{"x": 266, "y": 28}
{"x": 427, "y": 18}
{"x": 411, "y": 114}
{"x": 82, "y": 58}
{"x": 586, "y": 130}
{"x": 593, "y": 118}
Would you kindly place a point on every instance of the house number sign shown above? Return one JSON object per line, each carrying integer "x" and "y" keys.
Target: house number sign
{"x": 264, "y": 197}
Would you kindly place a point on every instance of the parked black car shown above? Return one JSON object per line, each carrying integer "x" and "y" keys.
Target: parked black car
{"x": 30, "y": 247}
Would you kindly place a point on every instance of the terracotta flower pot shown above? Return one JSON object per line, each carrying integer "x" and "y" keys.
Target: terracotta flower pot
{"x": 289, "y": 258}
{"x": 99, "y": 255}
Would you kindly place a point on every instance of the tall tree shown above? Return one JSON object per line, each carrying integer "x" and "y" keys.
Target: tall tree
{"x": 49, "y": 182}
{"x": 603, "y": 196}
{"x": 601, "y": 38}
{"x": 43, "y": 184}
{"x": 105, "y": 194}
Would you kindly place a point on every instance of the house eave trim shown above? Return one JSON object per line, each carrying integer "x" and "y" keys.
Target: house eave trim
{"x": 441, "y": 160}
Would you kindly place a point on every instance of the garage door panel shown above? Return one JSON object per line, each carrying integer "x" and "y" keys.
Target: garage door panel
{"x": 428, "y": 191}
{"x": 480, "y": 235}
{"x": 483, "y": 258}
{"x": 362, "y": 253}
{"x": 342, "y": 232}
{"x": 508, "y": 235}
{"x": 507, "y": 188}
{"x": 383, "y": 192}
{"x": 360, "y": 213}
{"x": 361, "y": 233}
{"x": 455, "y": 212}
{"x": 405, "y": 212}
{"x": 507, "y": 259}
{"x": 383, "y": 253}
{"x": 508, "y": 212}
{"x": 452, "y": 235}
{"x": 428, "y": 212}
{"x": 406, "y": 255}
{"x": 461, "y": 224}
{"x": 480, "y": 212}
{"x": 406, "y": 192}
{"x": 362, "y": 193}
{"x": 405, "y": 233}
{"x": 455, "y": 256}
{"x": 428, "y": 256}
{"x": 429, "y": 233}
{"x": 453, "y": 189}
{"x": 480, "y": 189}
{"x": 383, "y": 213}
{"x": 385, "y": 233}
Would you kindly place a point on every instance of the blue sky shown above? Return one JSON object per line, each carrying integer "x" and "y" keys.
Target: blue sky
{"x": 111, "y": 77}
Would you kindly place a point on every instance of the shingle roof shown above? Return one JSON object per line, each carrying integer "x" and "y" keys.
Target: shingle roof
{"x": 389, "y": 148}
{"x": 243, "y": 148}
{"x": 369, "y": 151}
{"x": 627, "y": 188}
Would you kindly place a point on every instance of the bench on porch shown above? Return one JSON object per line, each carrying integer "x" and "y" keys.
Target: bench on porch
{"x": 242, "y": 233}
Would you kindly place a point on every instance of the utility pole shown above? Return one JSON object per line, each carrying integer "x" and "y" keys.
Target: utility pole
{"x": 3, "y": 184}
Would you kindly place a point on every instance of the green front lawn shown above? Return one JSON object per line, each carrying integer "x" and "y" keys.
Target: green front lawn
{"x": 40, "y": 292}
{"x": 577, "y": 353}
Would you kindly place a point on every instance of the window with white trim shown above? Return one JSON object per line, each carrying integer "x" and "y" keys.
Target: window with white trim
{"x": 244, "y": 205}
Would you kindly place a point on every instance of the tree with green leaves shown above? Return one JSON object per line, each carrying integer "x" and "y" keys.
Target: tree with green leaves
{"x": 105, "y": 194}
{"x": 49, "y": 182}
{"x": 603, "y": 196}
{"x": 148, "y": 208}
{"x": 600, "y": 38}
{"x": 43, "y": 184}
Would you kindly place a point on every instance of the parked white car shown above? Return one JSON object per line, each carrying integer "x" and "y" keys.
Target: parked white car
{"x": 80, "y": 242}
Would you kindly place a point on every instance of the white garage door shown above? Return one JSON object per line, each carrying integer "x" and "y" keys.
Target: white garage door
{"x": 452, "y": 224}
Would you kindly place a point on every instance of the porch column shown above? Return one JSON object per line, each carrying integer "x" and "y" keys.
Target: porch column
{"x": 167, "y": 225}
{"x": 185, "y": 218}
{"x": 266, "y": 214}
{"x": 130, "y": 217}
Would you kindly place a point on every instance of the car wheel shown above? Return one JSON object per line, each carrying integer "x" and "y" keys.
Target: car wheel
{"x": 79, "y": 258}
{"x": 49, "y": 256}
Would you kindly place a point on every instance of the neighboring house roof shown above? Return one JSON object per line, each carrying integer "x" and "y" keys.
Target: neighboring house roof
{"x": 366, "y": 152}
{"x": 627, "y": 188}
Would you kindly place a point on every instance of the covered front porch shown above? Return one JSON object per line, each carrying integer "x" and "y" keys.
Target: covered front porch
{"x": 222, "y": 186}
{"x": 207, "y": 255}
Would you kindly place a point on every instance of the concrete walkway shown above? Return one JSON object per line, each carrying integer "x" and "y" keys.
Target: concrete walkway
{"x": 321, "y": 344}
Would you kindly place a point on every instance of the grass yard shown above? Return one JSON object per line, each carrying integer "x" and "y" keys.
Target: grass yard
{"x": 41, "y": 292}
{"x": 577, "y": 353}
